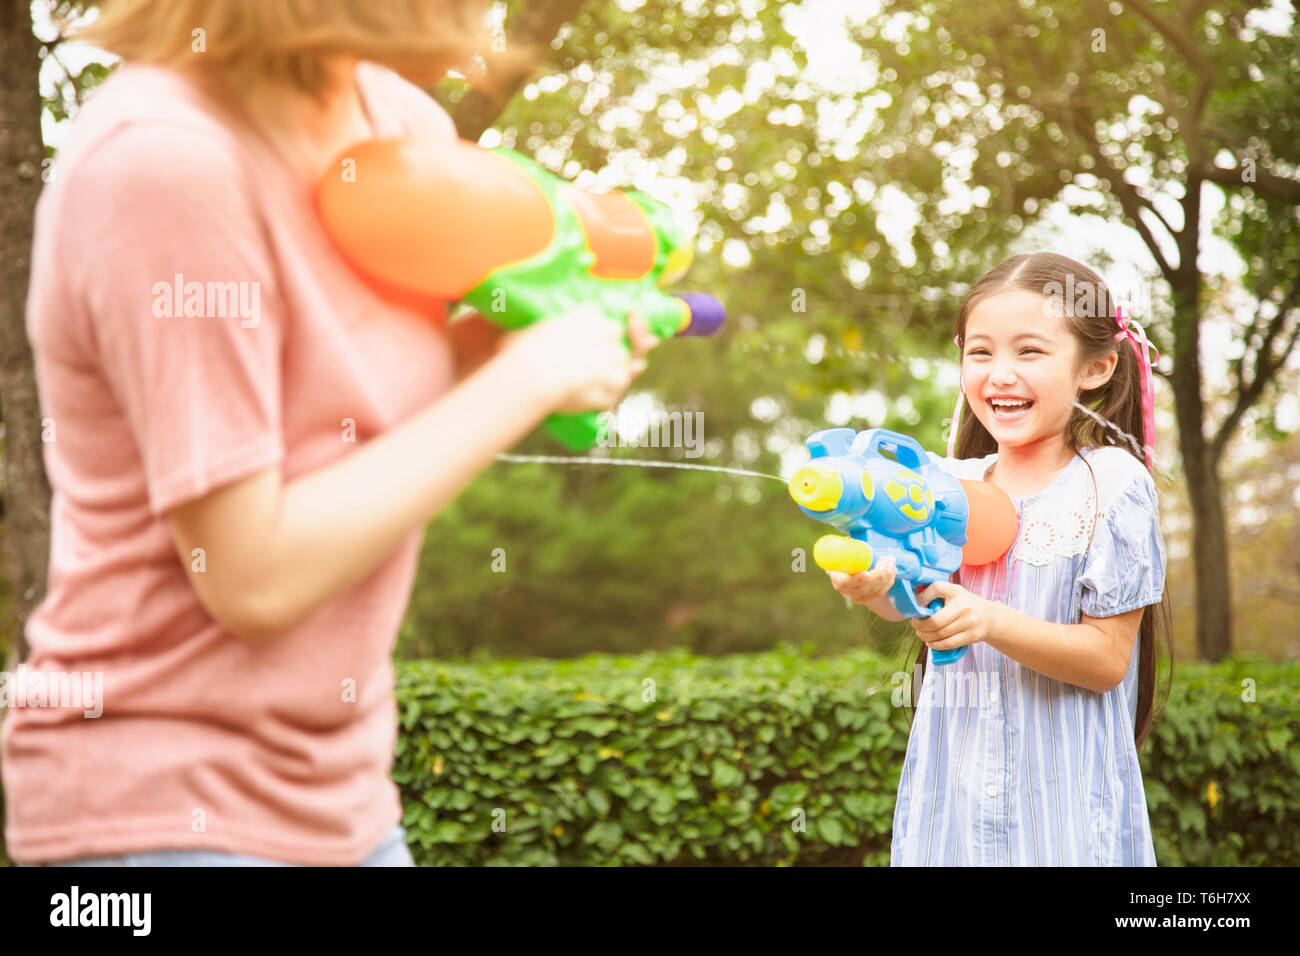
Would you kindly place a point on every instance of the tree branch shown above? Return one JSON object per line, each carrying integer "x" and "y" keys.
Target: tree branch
{"x": 537, "y": 24}
{"x": 1066, "y": 113}
{"x": 1262, "y": 290}
{"x": 1179, "y": 39}
{"x": 1266, "y": 366}
{"x": 1133, "y": 203}
{"x": 1128, "y": 195}
{"x": 1201, "y": 66}
{"x": 1275, "y": 187}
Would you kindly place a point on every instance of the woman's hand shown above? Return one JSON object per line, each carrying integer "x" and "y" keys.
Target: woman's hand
{"x": 965, "y": 618}
{"x": 865, "y": 587}
{"x": 579, "y": 359}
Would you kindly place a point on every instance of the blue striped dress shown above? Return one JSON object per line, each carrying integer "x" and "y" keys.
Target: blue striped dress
{"x": 1006, "y": 767}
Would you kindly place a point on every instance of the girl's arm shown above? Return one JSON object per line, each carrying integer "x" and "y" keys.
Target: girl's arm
{"x": 275, "y": 552}
{"x": 1095, "y": 653}
{"x": 884, "y": 608}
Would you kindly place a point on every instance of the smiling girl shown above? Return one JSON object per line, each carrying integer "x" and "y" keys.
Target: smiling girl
{"x": 1024, "y": 751}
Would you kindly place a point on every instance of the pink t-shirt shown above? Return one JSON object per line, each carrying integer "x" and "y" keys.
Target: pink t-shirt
{"x": 205, "y": 742}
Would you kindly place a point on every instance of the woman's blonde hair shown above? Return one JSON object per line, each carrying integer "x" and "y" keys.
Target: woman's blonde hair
{"x": 288, "y": 39}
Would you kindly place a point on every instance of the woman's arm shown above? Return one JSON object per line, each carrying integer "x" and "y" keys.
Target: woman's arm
{"x": 474, "y": 340}
{"x": 273, "y": 553}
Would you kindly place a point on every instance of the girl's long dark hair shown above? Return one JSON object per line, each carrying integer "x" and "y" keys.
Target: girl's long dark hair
{"x": 1090, "y": 316}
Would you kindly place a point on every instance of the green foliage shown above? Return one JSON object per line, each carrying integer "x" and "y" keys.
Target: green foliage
{"x": 578, "y": 766}
{"x": 1222, "y": 774}
{"x": 620, "y": 560}
{"x": 585, "y": 762}
{"x": 724, "y": 110}
{"x": 713, "y": 107}
{"x": 983, "y": 124}
{"x": 617, "y": 559}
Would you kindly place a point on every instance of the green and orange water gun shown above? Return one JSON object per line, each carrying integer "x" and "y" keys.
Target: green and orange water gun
{"x": 439, "y": 220}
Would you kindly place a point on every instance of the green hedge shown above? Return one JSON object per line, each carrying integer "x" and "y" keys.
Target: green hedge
{"x": 575, "y": 767}
{"x": 569, "y": 762}
{"x": 580, "y": 767}
{"x": 1222, "y": 772}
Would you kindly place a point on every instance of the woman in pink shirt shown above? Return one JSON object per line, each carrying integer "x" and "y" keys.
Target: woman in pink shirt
{"x": 241, "y": 477}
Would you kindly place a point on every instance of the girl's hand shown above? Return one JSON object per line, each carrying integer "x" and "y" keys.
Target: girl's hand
{"x": 865, "y": 586}
{"x": 965, "y": 618}
{"x": 578, "y": 359}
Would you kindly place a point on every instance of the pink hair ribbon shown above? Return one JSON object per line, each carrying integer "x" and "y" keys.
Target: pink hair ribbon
{"x": 1143, "y": 347}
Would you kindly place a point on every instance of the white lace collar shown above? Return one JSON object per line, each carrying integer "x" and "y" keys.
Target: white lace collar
{"x": 1059, "y": 520}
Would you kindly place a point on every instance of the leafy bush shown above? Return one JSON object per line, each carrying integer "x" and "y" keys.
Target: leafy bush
{"x": 774, "y": 758}
{"x": 1222, "y": 771}
{"x": 653, "y": 758}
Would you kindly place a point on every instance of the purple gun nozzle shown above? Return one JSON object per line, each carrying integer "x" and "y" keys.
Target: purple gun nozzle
{"x": 708, "y": 315}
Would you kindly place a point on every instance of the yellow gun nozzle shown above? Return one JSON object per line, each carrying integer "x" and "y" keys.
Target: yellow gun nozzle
{"x": 816, "y": 488}
{"x": 677, "y": 262}
{"x": 836, "y": 552}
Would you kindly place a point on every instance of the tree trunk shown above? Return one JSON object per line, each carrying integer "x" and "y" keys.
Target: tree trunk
{"x": 1209, "y": 530}
{"x": 1210, "y": 556}
{"x": 26, "y": 488}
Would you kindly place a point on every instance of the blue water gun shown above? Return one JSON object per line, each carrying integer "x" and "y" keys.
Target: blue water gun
{"x": 885, "y": 496}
